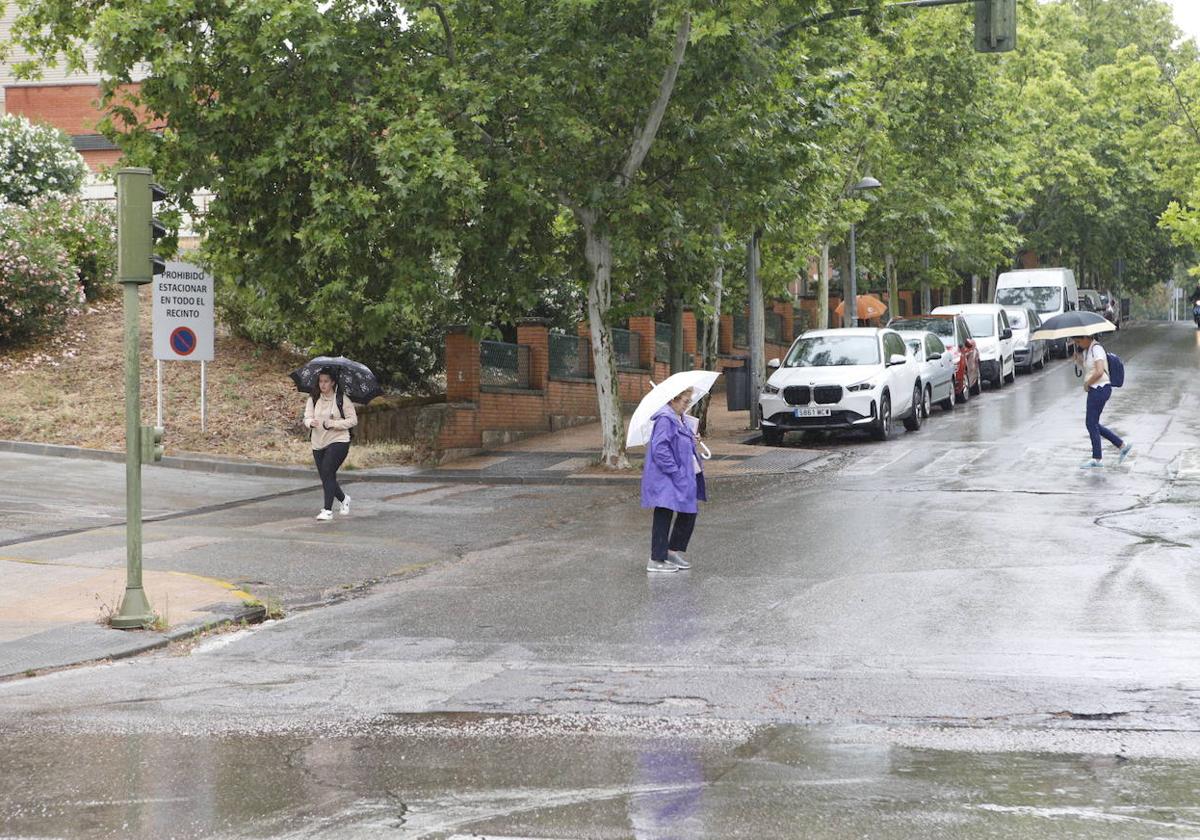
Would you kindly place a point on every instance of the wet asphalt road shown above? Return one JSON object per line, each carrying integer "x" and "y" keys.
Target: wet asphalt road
{"x": 957, "y": 633}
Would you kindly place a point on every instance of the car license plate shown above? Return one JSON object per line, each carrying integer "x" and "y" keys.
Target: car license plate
{"x": 812, "y": 412}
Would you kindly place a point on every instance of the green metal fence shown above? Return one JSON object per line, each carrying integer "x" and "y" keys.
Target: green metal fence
{"x": 663, "y": 335}
{"x": 741, "y": 331}
{"x": 802, "y": 321}
{"x": 504, "y": 365}
{"x": 773, "y": 328}
{"x": 627, "y": 348}
{"x": 570, "y": 356}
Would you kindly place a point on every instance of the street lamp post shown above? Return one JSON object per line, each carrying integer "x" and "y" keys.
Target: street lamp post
{"x": 851, "y": 304}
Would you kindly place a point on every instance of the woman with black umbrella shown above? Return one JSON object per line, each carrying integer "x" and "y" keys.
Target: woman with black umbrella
{"x": 330, "y": 415}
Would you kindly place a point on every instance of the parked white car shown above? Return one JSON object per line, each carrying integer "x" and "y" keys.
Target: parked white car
{"x": 936, "y": 368}
{"x": 856, "y": 378}
{"x": 1028, "y": 353}
{"x": 989, "y": 327}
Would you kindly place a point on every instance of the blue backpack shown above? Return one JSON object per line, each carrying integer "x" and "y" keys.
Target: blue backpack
{"x": 1116, "y": 370}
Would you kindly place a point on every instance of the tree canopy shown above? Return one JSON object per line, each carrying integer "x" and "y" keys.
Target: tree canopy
{"x": 382, "y": 169}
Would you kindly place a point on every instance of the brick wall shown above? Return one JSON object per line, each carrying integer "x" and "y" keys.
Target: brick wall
{"x": 475, "y": 414}
{"x": 70, "y": 108}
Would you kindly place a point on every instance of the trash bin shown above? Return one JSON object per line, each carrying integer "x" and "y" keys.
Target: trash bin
{"x": 737, "y": 386}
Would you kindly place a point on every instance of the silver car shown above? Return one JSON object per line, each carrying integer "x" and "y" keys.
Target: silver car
{"x": 936, "y": 366}
{"x": 1028, "y": 353}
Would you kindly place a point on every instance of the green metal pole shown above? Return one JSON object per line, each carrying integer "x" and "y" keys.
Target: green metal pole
{"x": 133, "y": 269}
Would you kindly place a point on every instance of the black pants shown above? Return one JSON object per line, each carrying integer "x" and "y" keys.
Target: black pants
{"x": 328, "y": 461}
{"x": 664, "y": 537}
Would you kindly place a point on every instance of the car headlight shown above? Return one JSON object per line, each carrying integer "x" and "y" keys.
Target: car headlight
{"x": 768, "y": 388}
{"x": 862, "y": 386}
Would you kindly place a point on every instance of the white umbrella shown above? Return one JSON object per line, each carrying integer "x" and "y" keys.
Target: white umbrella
{"x": 700, "y": 381}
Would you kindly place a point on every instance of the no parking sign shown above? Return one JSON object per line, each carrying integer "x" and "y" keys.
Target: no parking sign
{"x": 183, "y": 314}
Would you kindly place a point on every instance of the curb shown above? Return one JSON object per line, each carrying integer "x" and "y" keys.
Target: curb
{"x": 252, "y": 615}
{"x": 372, "y": 475}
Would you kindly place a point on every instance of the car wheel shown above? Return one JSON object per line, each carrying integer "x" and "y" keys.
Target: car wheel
{"x": 883, "y": 424}
{"x": 772, "y": 437}
{"x": 948, "y": 403}
{"x": 927, "y": 403}
{"x": 912, "y": 422}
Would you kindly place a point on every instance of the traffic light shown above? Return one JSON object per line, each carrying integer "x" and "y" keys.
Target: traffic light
{"x": 995, "y": 25}
{"x": 137, "y": 229}
{"x": 152, "y": 444}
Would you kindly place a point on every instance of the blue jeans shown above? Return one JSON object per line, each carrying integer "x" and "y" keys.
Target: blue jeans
{"x": 1096, "y": 398}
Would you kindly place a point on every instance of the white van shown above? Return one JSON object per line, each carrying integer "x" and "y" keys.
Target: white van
{"x": 1047, "y": 291}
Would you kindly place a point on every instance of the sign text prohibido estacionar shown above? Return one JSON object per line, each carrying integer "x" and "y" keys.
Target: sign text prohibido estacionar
{"x": 183, "y": 314}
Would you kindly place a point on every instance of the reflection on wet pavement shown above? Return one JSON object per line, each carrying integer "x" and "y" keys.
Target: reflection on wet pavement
{"x": 444, "y": 776}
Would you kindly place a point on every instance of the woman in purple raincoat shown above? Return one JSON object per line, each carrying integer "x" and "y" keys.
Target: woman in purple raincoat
{"x": 672, "y": 483}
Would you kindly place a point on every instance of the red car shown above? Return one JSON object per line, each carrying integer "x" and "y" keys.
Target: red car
{"x": 955, "y": 334}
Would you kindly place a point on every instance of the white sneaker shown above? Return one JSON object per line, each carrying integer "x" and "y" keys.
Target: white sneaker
{"x": 345, "y": 505}
{"x": 657, "y": 566}
{"x": 325, "y": 516}
{"x": 677, "y": 560}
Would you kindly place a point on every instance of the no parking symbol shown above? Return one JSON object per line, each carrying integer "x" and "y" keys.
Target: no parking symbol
{"x": 183, "y": 341}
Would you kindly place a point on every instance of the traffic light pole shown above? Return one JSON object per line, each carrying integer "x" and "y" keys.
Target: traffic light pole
{"x": 134, "y": 270}
{"x": 995, "y": 20}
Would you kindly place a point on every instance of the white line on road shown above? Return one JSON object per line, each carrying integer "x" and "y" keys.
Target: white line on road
{"x": 872, "y": 464}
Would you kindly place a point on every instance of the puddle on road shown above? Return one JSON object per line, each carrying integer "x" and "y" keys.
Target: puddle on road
{"x": 442, "y": 776}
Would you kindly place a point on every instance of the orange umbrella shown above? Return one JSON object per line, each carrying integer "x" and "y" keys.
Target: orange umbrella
{"x": 869, "y": 307}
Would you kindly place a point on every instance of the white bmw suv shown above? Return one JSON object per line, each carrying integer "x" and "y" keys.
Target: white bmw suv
{"x": 856, "y": 378}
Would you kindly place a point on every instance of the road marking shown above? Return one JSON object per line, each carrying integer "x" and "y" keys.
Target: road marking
{"x": 570, "y": 465}
{"x": 1189, "y": 465}
{"x": 953, "y": 461}
{"x": 875, "y": 463}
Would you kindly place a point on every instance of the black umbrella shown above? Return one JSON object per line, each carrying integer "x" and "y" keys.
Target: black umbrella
{"x": 357, "y": 381}
{"x": 1072, "y": 325}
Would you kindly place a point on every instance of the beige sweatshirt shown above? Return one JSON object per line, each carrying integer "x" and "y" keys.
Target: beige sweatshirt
{"x": 325, "y": 411}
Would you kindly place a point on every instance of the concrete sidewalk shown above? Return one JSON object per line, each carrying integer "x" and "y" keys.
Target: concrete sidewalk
{"x": 569, "y": 455}
{"x": 55, "y": 615}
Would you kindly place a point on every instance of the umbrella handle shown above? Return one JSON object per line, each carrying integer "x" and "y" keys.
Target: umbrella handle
{"x": 704, "y": 451}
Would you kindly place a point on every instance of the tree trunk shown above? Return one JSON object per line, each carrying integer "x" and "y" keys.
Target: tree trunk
{"x": 926, "y": 297}
{"x": 974, "y": 288}
{"x": 843, "y": 258}
{"x": 677, "y": 336}
{"x": 823, "y": 288}
{"x": 893, "y": 287}
{"x": 712, "y": 330}
{"x": 756, "y": 325}
{"x": 992, "y": 286}
{"x": 598, "y": 253}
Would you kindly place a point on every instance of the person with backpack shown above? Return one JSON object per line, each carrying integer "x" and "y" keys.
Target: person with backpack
{"x": 330, "y": 417}
{"x": 1094, "y": 363}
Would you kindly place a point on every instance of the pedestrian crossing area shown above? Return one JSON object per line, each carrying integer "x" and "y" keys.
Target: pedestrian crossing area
{"x": 966, "y": 460}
